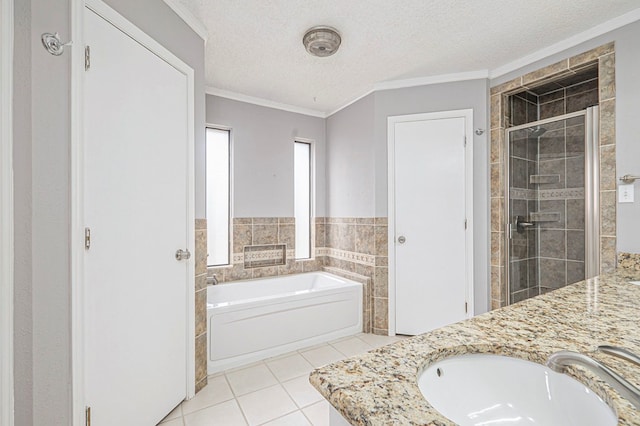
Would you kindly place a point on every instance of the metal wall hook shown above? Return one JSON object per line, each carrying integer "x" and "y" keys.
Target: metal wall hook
{"x": 52, "y": 43}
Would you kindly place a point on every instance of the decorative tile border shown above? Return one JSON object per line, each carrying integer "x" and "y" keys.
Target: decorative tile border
{"x": 349, "y": 256}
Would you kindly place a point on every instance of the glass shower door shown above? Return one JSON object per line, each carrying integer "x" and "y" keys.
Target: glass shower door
{"x": 549, "y": 208}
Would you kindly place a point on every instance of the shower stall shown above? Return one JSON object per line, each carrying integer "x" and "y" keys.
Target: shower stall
{"x": 551, "y": 203}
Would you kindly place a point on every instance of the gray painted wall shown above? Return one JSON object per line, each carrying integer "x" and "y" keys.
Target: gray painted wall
{"x": 351, "y": 161}
{"x": 42, "y": 294}
{"x": 263, "y": 155}
{"x": 627, "y": 123}
{"x": 23, "y": 324}
{"x": 361, "y": 157}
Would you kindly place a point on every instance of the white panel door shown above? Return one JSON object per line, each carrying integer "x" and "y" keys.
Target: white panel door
{"x": 430, "y": 275}
{"x": 135, "y": 193}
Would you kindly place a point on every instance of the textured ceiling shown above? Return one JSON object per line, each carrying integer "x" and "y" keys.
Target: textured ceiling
{"x": 255, "y": 46}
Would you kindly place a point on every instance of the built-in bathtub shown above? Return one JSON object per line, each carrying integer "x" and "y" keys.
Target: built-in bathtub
{"x": 255, "y": 319}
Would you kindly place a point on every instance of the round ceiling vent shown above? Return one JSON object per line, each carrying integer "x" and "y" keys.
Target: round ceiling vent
{"x": 321, "y": 41}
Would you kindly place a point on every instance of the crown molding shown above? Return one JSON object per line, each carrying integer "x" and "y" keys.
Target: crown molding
{"x": 591, "y": 33}
{"x": 189, "y": 19}
{"x": 434, "y": 79}
{"x": 263, "y": 102}
{"x": 367, "y": 93}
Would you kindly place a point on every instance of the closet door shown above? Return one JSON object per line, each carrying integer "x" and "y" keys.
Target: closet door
{"x": 136, "y": 169}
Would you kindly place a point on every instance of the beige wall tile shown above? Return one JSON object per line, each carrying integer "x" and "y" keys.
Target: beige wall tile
{"x": 381, "y": 220}
{"x": 381, "y": 282}
{"x": 496, "y": 111}
{"x": 265, "y": 234}
{"x": 496, "y": 248}
{"x": 269, "y": 271}
{"x": 242, "y": 236}
{"x": 608, "y": 122}
{"x": 607, "y": 76}
{"x": 287, "y": 235}
{"x": 381, "y": 235}
{"x": 382, "y": 261}
{"x": 286, "y": 220}
{"x": 543, "y": 73}
{"x": 201, "y": 311}
{"x": 201, "y": 252}
{"x": 365, "y": 220}
{"x": 497, "y": 214}
{"x": 380, "y": 314}
{"x": 497, "y": 144}
{"x": 320, "y": 236}
{"x": 365, "y": 241}
{"x": 201, "y": 224}
{"x": 201, "y": 282}
{"x": 608, "y": 259}
{"x": 608, "y": 213}
{"x": 265, "y": 220}
{"x": 507, "y": 86}
{"x": 201, "y": 357}
{"x": 592, "y": 55}
{"x": 242, "y": 221}
{"x": 608, "y": 168}
{"x": 496, "y": 180}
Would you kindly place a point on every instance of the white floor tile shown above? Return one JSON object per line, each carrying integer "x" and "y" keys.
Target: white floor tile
{"x": 266, "y": 404}
{"x": 174, "y": 422}
{"x": 251, "y": 379}
{"x": 226, "y": 413}
{"x": 376, "y": 341}
{"x": 352, "y": 346}
{"x": 318, "y": 413}
{"x": 176, "y": 413}
{"x": 322, "y": 355}
{"x": 302, "y": 392}
{"x": 216, "y": 391}
{"x": 290, "y": 367}
{"x": 294, "y": 419}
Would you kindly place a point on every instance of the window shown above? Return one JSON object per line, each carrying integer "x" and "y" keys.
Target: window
{"x": 302, "y": 198}
{"x": 218, "y": 195}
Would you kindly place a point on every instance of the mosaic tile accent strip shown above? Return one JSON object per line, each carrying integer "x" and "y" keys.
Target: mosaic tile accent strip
{"x": 349, "y": 256}
{"x": 561, "y": 194}
{"x": 629, "y": 261}
{"x": 266, "y": 255}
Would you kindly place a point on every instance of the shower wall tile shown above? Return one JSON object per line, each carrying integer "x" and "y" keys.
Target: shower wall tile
{"x": 575, "y": 245}
{"x": 553, "y": 243}
{"x": 577, "y": 95}
{"x": 575, "y": 272}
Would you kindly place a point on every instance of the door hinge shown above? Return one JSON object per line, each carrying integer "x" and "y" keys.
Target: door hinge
{"x": 465, "y": 141}
{"x": 466, "y": 307}
{"x": 87, "y": 416}
{"x": 465, "y": 224}
{"x": 87, "y": 238}
{"x": 87, "y": 58}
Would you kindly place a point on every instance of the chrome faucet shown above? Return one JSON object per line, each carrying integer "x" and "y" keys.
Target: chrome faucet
{"x": 560, "y": 360}
{"x": 212, "y": 279}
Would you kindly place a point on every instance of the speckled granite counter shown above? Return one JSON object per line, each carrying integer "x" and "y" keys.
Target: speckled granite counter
{"x": 380, "y": 387}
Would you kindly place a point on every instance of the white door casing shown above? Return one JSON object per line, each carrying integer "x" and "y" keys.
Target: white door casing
{"x": 430, "y": 200}
{"x": 6, "y": 213}
{"x": 148, "y": 193}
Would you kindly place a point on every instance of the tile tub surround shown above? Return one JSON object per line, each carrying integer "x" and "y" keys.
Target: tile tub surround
{"x": 380, "y": 387}
{"x": 201, "y": 303}
{"x": 604, "y": 58}
{"x": 356, "y": 246}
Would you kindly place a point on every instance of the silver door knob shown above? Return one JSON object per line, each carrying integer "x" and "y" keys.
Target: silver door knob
{"x": 183, "y": 254}
{"x": 402, "y": 239}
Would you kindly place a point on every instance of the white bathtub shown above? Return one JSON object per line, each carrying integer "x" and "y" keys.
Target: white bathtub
{"x": 256, "y": 319}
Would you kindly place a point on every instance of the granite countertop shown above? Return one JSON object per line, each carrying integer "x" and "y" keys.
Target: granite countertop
{"x": 380, "y": 387}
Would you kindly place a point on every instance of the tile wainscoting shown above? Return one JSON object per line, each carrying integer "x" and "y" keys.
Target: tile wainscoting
{"x": 201, "y": 303}
{"x": 355, "y": 248}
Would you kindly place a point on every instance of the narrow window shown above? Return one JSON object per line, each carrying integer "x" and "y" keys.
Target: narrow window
{"x": 217, "y": 194}
{"x": 302, "y": 198}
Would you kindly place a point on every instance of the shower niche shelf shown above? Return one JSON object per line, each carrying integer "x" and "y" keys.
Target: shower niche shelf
{"x": 544, "y": 217}
{"x": 542, "y": 179}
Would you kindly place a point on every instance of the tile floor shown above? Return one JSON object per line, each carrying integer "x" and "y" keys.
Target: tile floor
{"x": 274, "y": 392}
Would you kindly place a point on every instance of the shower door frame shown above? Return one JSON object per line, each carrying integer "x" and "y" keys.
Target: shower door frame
{"x": 591, "y": 194}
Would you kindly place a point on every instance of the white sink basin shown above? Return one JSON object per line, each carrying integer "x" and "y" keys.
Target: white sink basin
{"x": 481, "y": 389}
